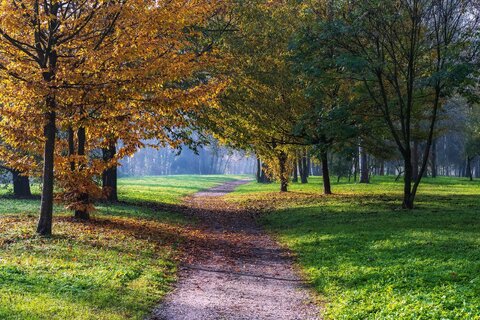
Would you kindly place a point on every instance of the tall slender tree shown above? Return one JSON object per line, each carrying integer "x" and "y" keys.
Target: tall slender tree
{"x": 409, "y": 58}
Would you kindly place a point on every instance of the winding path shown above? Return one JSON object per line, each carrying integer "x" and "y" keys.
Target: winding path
{"x": 235, "y": 270}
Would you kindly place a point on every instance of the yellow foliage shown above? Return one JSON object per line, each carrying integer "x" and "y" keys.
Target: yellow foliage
{"x": 122, "y": 70}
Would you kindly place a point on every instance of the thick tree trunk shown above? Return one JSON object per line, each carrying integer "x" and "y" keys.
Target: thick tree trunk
{"x": 327, "y": 188}
{"x": 83, "y": 198}
{"x": 364, "y": 171}
{"x": 110, "y": 176}
{"x": 46, "y": 210}
{"x": 45, "y": 221}
{"x": 282, "y": 162}
{"x": 21, "y": 185}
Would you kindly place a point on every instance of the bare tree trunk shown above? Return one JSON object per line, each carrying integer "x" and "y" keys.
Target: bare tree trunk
{"x": 327, "y": 188}
{"x": 282, "y": 162}
{"x": 21, "y": 185}
{"x": 259, "y": 170}
{"x": 46, "y": 210}
{"x": 469, "y": 168}
{"x": 434, "y": 158}
{"x": 408, "y": 179}
{"x": 305, "y": 169}
{"x": 364, "y": 171}
{"x": 110, "y": 176}
{"x": 477, "y": 169}
{"x": 415, "y": 161}
{"x": 382, "y": 168}
{"x": 309, "y": 166}
{"x": 83, "y": 198}
{"x": 355, "y": 168}
{"x": 295, "y": 170}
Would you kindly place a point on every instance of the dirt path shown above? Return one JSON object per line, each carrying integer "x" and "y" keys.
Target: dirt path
{"x": 235, "y": 270}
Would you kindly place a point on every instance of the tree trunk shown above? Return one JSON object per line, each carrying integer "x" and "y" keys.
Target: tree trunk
{"x": 46, "y": 210}
{"x": 477, "y": 169}
{"x": 355, "y": 168}
{"x": 382, "y": 168}
{"x": 364, "y": 172}
{"x": 309, "y": 166}
{"x": 83, "y": 198}
{"x": 110, "y": 176}
{"x": 45, "y": 221}
{"x": 264, "y": 178}
{"x": 295, "y": 171}
{"x": 408, "y": 197}
{"x": 71, "y": 146}
{"x": 305, "y": 171}
{"x": 282, "y": 162}
{"x": 21, "y": 185}
{"x": 415, "y": 161}
{"x": 259, "y": 170}
{"x": 434, "y": 158}
{"x": 469, "y": 168}
{"x": 327, "y": 189}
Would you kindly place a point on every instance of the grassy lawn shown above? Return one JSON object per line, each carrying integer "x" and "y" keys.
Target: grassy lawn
{"x": 117, "y": 266}
{"x": 369, "y": 260}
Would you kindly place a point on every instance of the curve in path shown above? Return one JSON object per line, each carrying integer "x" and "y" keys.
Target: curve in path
{"x": 236, "y": 271}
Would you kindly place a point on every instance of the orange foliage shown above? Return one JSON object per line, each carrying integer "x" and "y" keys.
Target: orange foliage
{"x": 124, "y": 70}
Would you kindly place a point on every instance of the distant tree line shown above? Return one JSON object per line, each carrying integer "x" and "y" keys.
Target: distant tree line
{"x": 207, "y": 159}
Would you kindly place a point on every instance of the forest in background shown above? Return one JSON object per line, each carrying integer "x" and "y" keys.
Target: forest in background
{"x": 321, "y": 87}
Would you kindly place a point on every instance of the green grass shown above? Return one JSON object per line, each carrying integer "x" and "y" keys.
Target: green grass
{"x": 167, "y": 189}
{"x": 368, "y": 259}
{"x": 118, "y": 266}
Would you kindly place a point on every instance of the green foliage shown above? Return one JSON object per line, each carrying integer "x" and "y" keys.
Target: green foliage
{"x": 116, "y": 267}
{"x": 370, "y": 260}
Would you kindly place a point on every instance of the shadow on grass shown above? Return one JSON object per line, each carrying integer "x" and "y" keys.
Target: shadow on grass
{"x": 362, "y": 248}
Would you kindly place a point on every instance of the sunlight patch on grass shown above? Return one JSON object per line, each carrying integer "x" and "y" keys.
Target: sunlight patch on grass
{"x": 369, "y": 259}
{"x": 118, "y": 266}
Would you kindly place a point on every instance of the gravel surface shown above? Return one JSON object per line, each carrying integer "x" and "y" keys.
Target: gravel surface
{"x": 234, "y": 270}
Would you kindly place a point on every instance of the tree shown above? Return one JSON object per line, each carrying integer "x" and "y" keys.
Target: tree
{"x": 109, "y": 175}
{"x": 73, "y": 68}
{"x": 259, "y": 108}
{"x": 409, "y": 58}
{"x": 364, "y": 168}
{"x": 327, "y": 122}
{"x": 20, "y": 179}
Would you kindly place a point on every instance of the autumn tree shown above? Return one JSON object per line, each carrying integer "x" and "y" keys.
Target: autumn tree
{"x": 70, "y": 69}
{"x": 258, "y": 109}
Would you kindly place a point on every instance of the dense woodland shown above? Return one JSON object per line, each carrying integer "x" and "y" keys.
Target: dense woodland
{"x": 331, "y": 88}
